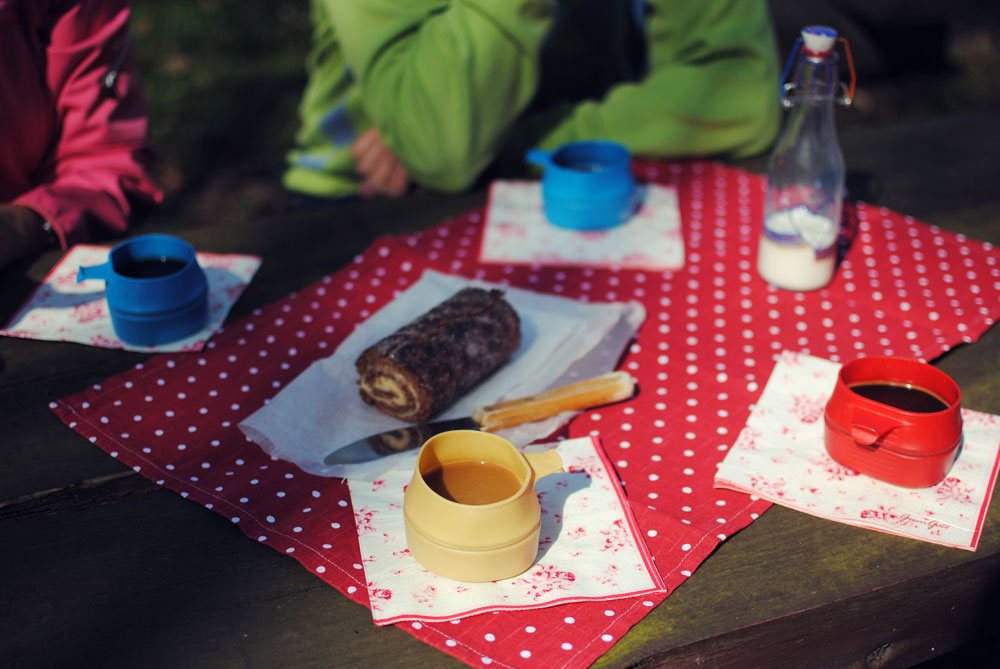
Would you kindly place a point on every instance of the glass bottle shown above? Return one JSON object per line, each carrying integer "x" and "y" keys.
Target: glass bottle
{"x": 806, "y": 171}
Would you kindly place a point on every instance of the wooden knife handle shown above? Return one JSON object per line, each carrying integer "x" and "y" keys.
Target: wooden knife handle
{"x": 603, "y": 389}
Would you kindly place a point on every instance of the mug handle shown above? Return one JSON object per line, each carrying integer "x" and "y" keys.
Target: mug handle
{"x": 869, "y": 427}
{"x": 539, "y": 157}
{"x": 93, "y": 272}
{"x": 868, "y": 436}
{"x": 544, "y": 463}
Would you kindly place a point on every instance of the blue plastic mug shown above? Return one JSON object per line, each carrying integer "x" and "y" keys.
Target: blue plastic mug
{"x": 586, "y": 185}
{"x": 156, "y": 290}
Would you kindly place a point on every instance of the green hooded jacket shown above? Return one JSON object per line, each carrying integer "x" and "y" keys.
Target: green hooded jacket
{"x": 454, "y": 84}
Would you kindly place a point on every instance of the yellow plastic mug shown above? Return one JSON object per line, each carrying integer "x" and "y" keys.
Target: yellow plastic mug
{"x": 471, "y": 511}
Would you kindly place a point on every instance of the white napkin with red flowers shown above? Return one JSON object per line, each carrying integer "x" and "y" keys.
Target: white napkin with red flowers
{"x": 63, "y": 310}
{"x": 780, "y": 456}
{"x": 590, "y": 547}
{"x": 516, "y": 231}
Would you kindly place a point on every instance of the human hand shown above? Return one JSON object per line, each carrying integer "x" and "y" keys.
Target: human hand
{"x": 21, "y": 233}
{"x": 382, "y": 172}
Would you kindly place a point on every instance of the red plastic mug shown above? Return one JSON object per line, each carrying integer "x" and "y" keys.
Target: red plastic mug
{"x": 895, "y": 419}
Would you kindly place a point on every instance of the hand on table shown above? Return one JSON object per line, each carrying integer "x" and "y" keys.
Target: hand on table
{"x": 21, "y": 233}
{"x": 382, "y": 172}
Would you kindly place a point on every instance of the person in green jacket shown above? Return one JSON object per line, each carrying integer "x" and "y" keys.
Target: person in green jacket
{"x": 433, "y": 92}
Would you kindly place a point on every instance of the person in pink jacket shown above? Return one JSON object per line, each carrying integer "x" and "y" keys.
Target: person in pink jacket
{"x": 74, "y": 158}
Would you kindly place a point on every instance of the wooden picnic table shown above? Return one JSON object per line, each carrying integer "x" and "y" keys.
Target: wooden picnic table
{"x": 102, "y": 567}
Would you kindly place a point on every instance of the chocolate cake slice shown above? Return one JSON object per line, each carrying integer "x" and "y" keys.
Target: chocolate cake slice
{"x": 423, "y": 367}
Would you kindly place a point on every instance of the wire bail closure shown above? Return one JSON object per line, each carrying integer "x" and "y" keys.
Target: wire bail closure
{"x": 788, "y": 90}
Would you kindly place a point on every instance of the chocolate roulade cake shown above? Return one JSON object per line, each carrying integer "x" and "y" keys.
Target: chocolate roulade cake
{"x": 426, "y": 365}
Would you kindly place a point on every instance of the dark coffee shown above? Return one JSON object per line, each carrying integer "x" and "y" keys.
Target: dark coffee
{"x": 151, "y": 268}
{"x": 902, "y": 397}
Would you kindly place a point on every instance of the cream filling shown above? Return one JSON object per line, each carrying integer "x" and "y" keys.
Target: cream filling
{"x": 388, "y": 392}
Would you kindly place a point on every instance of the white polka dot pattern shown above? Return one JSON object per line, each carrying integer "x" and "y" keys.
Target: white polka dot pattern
{"x": 713, "y": 333}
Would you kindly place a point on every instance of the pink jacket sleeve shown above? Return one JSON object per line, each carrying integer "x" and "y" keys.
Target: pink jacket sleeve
{"x": 97, "y": 170}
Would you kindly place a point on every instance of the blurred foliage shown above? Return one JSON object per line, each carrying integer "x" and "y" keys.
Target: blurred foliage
{"x": 223, "y": 79}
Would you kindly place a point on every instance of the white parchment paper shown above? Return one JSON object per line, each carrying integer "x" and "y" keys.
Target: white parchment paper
{"x": 562, "y": 340}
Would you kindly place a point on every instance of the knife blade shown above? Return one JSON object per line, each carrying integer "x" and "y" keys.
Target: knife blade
{"x": 596, "y": 391}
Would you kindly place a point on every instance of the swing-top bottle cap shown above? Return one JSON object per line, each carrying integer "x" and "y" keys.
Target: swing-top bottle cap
{"x": 818, "y": 40}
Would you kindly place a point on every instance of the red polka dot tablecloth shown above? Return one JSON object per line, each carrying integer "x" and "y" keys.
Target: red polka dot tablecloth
{"x": 713, "y": 333}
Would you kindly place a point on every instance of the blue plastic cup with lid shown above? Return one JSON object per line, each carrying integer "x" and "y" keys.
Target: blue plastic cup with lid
{"x": 155, "y": 288}
{"x": 586, "y": 185}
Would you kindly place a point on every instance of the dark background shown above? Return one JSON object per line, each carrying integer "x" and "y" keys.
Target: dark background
{"x": 223, "y": 78}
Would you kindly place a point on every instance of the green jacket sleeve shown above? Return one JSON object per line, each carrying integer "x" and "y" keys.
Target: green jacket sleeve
{"x": 711, "y": 88}
{"x": 442, "y": 80}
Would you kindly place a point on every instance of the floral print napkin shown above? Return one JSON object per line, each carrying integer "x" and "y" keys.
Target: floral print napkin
{"x": 780, "y": 456}
{"x": 517, "y": 232}
{"x": 63, "y": 310}
{"x": 590, "y": 548}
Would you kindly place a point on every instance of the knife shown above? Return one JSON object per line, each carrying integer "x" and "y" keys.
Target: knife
{"x": 603, "y": 389}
